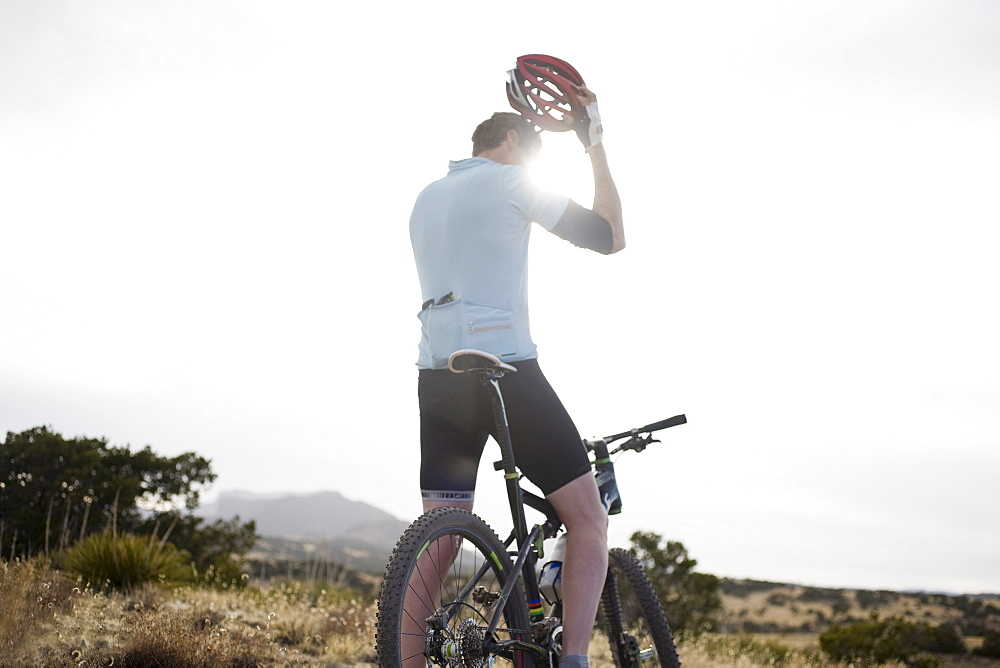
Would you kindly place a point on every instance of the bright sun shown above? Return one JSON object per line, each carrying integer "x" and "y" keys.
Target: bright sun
{"x": 564, "y": 168}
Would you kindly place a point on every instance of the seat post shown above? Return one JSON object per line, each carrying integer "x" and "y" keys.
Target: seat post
{"x": 515, "y": 495}
{"x": 510, "y": 473}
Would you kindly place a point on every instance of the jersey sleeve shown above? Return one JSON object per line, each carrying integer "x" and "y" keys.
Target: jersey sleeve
{"x": 585, "y": 229}
{"x": 530, "y": 201}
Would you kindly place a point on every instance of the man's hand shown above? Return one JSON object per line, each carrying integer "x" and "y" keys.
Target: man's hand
{"x": 588, "y": 127}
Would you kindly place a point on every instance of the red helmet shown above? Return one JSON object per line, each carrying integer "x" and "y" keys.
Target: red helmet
{"x": 543, "y": 89}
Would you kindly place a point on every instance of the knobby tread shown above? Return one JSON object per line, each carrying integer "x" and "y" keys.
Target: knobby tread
{"x": 622, "y": 562}
{"x": 435, "y": 523}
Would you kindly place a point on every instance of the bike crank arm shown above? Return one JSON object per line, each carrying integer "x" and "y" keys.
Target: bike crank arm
{"x": 507, "y": 647}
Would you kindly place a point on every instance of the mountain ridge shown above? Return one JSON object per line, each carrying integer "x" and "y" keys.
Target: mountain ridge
{"x": 324, "y": 514}
{"x": 312, "y": 525}
{"x": 328, "y": 524}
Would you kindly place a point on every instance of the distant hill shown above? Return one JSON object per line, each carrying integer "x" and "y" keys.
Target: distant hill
{"x": 756, "y": 606}
{"x": 315, "y": 526}
{"x": 324, "y": 536}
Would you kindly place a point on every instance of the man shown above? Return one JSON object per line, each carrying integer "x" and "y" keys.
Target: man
{"x": 470, "y": 234}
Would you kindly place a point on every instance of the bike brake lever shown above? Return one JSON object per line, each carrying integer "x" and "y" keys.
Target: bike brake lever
{"x": 639, "y": 443}
{"x": 647, "y": 441}
{"x": 634, "y": 443}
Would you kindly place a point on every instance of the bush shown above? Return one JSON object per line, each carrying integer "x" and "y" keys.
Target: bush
{"x": 778, "y": 599}
{"x": 690, "y": 599}
{"x": 126, "y": 562}
{"x": 878, "y": 641}
{"x": 875, "y": 599}
{"x": 943, "y": 639}
{"x": 216, "y": 549}
{"x": 991, "y": 645}
{"x": 743, "y": 588}
{"x": 819, "y": 595}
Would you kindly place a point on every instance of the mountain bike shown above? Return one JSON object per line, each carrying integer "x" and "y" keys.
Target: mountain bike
{"x": 454, "y": 594}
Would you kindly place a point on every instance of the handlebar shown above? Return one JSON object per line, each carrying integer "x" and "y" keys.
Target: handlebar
{"x": 638, "y": 438}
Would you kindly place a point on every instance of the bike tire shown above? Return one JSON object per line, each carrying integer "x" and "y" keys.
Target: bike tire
{"x": 417, "y": 566}
{"x": 630, "y": 610}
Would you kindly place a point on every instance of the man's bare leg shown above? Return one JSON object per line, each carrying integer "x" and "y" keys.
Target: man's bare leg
{"x": 585, "y": 565}
{"x": 424, "y": 591}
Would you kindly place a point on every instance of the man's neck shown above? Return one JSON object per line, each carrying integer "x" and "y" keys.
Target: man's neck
{"x": 498, "y": 154}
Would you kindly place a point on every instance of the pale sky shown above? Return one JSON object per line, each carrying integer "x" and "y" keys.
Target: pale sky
{"x": 203, "y": 246}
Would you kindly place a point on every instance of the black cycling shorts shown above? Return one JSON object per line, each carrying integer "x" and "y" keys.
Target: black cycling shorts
{"x": 456, "y": 417}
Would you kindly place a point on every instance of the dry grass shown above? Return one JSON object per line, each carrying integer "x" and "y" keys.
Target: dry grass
{"x": 736, "y": 651}
{"x": 48, "y": 619}
{"x": 188, "y": 627}
{"x": 30, "y": 601}
{"x": 787, "y": 650}
{"x": 745, "y": 651}
{"x": 773, "y": 650}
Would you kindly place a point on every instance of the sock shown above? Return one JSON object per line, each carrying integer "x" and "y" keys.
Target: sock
{"x": 574, "y": 661}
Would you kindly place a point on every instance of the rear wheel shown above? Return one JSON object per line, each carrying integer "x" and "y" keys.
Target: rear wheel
{"x": 632, "y": 618}
{"x": 441, "y": 588}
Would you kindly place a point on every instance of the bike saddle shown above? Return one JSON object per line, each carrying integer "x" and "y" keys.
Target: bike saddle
{"x": 476, "y": 360}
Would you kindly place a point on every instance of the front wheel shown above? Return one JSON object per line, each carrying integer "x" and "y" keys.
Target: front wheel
{"x": 632, "y": 618}
{"x": 441, "y": 589}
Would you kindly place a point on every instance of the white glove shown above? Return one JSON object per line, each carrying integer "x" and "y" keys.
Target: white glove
{"x": 589, "y": 128}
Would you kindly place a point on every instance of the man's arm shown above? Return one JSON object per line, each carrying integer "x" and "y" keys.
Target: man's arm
{"x": 584, "y": 228}
{"x": 607, "y": 203}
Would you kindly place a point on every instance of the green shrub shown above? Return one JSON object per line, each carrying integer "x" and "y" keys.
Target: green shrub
{"x": 216, "y": 549}
{"x": 943, "y": 639}
{"x": 224, "y": 573}
{"x": 841, "y": 607}
{"x": 743, "y": 588}
{"x": 878, "y": 641}
{"x": 690, "y": 599}
{"x": 126, "y": 562}
{"x": 991, "y": 645}
{"x": 875, "y": 599}
{"x": 777, "y": 599}
{"x": 820, "y": 595}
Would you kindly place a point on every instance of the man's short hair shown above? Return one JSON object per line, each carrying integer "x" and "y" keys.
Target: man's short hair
{"x": 493, "y": 131}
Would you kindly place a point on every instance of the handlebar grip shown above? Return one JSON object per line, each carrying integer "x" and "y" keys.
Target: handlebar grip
{"x": 663, "y": 424}
{"x": 656, "y": 426}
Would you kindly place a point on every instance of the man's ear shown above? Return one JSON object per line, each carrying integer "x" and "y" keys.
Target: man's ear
{"x": 513, "y": 137}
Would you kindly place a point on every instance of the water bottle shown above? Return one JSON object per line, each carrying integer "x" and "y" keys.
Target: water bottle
{"x": 550, "y": 578}
{"x": 606, "y": 483}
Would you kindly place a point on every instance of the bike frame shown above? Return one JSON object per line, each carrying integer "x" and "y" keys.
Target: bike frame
{"x": 529, "y": 542}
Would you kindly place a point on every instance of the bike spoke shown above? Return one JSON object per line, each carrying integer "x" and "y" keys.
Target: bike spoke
{"x": 454, "y": 569}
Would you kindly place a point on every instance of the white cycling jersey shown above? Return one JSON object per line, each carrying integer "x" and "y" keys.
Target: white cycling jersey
{"x": 470, "y": 234}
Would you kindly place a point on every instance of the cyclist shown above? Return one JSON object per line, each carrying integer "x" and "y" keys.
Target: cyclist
{"x": 470, "y": 233}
